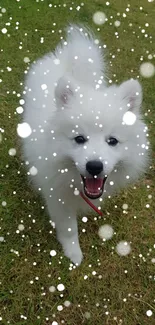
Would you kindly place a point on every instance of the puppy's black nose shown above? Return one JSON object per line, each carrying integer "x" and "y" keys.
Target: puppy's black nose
{"x": 94, "y": 167}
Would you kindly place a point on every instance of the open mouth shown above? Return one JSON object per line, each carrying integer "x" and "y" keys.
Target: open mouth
{"x": 93, "y": 187}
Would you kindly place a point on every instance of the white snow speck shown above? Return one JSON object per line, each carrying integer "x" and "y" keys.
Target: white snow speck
{"x": 99, "y": 18}
{"x": 149, "y": 313}
{"x": 87, "y": 314}
{"x": 56, "y": 61}
{"x": 22, "y": 101}
{"x": 84, "y": 219}
{"x": 147, "y": 69}
{"x": 105, "y": 232}
{"x": 76, "y": 192}
{"x": 21, "y": 227}
{"x": 129, "y": 118}
{"x": 53, "y": 252}
{"x": 4, "y": 30}
{"x": 12, "y": 152}
{"x": 67, "y": 303}
{"x": 1, "y": 238}
{"x": 54, "y": 323}
{"x": 96, "y": 41}
{"x": 52, "y": 288}
{"x": 60, "y": 308}
{"x": 19, "y": 110}
{"x": 60, "y": 287}
{"x": 43, "y": 86}
{"x": 24, "y": 130}
{"x": 3, "y": 10}
{"x": 33, "y": 171}
{"x": 26, "y": 59}
{"x": 125, "y": 206}
{"x": 123, "y": 248}
{"x": 117, "y": 23}
{"x": 4, "y": 203}
{"x": 22, "y": 316}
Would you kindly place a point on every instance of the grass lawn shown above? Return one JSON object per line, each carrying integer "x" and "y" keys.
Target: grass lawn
{"x": 106, "y": 289}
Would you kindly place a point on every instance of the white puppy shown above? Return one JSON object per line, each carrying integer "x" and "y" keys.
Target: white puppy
{"x": 86, "y": 137}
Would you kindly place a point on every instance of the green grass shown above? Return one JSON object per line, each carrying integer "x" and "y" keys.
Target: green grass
{"x": 131, "y": 277}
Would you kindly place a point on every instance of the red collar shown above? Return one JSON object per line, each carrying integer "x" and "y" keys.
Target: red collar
{"x": 91, "y": 204}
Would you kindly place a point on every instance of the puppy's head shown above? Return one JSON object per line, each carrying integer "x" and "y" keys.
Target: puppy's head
{"x": 101, "y": 131}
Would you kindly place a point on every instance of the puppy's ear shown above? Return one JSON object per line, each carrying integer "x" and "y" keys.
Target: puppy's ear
{"x": 63, "y": 92}
{"x": 131, "y": 93}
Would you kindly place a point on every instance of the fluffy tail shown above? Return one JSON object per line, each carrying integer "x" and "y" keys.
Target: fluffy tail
{"x": 81, "y": 55}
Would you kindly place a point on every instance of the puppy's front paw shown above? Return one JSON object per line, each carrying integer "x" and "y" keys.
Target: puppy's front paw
{"x": 74, "y": 253}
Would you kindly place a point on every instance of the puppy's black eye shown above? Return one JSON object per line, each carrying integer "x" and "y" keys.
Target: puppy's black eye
{"x": 112, "y": 141}
{"x": 80, "y": 139}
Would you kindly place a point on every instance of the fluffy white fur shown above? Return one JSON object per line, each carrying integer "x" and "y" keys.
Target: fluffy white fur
{"x": 73, "y": 102}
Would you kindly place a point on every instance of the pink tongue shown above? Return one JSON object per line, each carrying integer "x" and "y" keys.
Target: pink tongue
{"x": 93, "y": 185}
